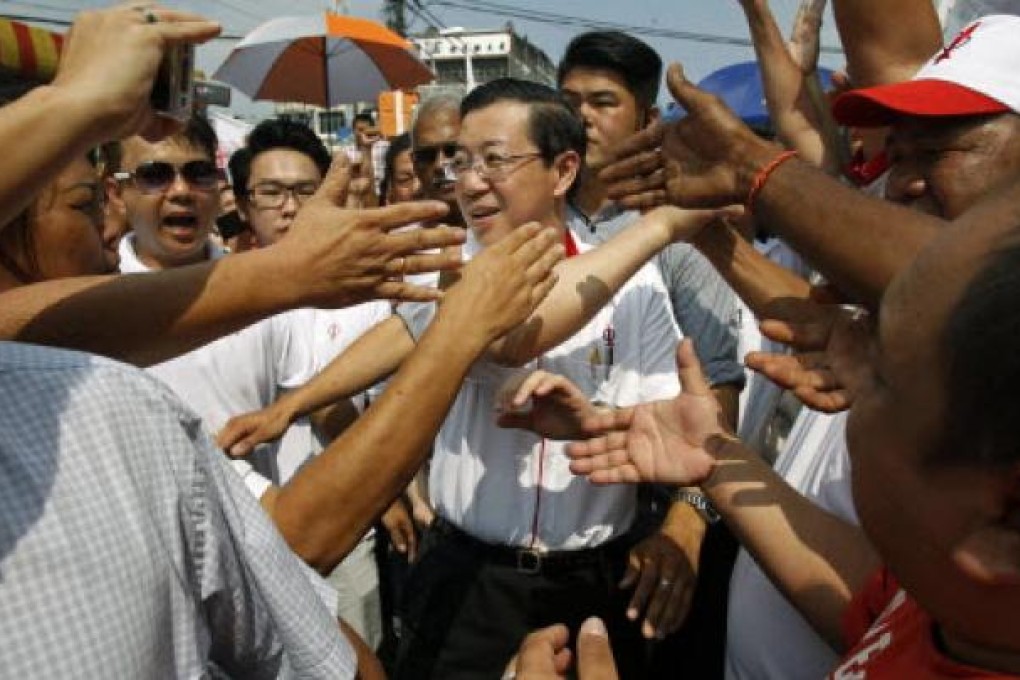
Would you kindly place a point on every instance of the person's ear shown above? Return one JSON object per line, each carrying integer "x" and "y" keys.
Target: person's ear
{"x": 990, "y": 552}
{"x": 567, "y": 165}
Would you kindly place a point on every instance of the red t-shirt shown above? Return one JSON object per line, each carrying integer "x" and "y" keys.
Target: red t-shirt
{"x": 892, "y": 637}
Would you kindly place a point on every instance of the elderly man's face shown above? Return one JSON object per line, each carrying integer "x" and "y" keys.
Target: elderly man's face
{"x": 943, "y": 166}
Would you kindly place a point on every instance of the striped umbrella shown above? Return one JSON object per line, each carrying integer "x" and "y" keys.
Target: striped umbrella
{"x": 27, "y": 52}
{"x": 325, "y": 60}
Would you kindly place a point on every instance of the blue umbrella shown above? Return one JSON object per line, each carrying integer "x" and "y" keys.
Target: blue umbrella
{"x": 739, "y": 85}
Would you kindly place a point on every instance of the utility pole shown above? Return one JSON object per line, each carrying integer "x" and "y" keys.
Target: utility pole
{"x": 394, "y": 12}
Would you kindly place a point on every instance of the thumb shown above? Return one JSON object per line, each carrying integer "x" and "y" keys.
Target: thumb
{"x": 683, "y": 91}
{"x": 594, "y": 655}
{"x": 692, "y": 379}
{"x": 337, "y": 181}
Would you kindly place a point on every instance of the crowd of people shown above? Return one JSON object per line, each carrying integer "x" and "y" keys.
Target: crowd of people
{"x": 498, "y": 398}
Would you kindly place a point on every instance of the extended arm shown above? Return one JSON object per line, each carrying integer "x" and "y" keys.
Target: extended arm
{"x": 148, "y": 318}
{"x": 711, "y": 159}
{"x": 369, "y": 359}
{"x": 786, "y": 81}
{"x": 328, "y": 505}
{"x": 816, "y": 559}
{"x": 589, "y": 281}
{"x": 100, "y": 93}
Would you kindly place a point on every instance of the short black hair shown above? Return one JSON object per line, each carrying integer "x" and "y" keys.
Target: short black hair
{"x": 633, "y": 60}
{"x": 398, "y": 145}
{"x": 239, "y": 165}
{"x": 554, "y": 125}
{"x": 364, "y": 117}
{"x": 196, "y": 131}
{"x": 276, "y": 133}
{"x": 983, "y": 367}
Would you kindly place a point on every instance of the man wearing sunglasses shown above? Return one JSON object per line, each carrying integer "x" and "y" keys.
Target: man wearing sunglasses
{"x": 433, "y": 145}
{"x": 169, "y": 192}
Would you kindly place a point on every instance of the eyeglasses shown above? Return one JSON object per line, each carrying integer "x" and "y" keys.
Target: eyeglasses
{"x": 490, "y": 166}
{"x": 427, "y": 155}
{"x": 273, "y": 195}
{"x": 153, "y": 177}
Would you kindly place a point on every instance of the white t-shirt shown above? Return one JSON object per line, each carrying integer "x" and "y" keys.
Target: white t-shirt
{"x": 766, "y": 637}
{"x": 501, "y": 485}
{"x": 238, "y": 373}
{"x": 330, "y": 332}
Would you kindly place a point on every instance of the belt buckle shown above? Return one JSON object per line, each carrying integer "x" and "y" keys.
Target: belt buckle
{"x": 529, "y": 561}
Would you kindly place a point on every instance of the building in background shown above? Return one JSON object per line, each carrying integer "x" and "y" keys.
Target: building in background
{"x": 463, "y": 58}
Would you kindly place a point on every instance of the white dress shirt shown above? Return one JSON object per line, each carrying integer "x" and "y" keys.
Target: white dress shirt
{"x": 512, "y": 487}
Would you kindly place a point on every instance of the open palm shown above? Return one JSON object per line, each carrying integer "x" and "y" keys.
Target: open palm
{"x": 661, "y": 441}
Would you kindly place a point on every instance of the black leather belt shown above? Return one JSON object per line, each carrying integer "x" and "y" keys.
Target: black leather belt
{"x": 531, "y": 560}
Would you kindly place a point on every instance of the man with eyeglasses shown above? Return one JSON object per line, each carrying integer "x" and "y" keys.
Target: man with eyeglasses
{"x": 283, "y": 167}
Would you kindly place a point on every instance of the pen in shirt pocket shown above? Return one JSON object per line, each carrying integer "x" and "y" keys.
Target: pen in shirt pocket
{"x": 609, "y": 338}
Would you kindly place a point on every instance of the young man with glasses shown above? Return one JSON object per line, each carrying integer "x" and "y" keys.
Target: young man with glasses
{"x": 283, "y": 166}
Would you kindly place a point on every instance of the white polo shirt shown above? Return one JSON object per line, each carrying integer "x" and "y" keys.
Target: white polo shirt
{"x": 331, "y": 332}
{"x": 512, "y": 487}
{"x": 238, "y": 373}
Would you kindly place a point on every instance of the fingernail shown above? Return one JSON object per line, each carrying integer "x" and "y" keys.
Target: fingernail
{"x": 632, "y": 614}
{"x": 594, "y": 626}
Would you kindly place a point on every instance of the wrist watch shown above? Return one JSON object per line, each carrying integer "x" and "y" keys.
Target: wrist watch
{"x": 699, "y": 502}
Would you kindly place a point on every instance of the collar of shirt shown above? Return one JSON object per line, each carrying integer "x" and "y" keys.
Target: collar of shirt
{"x": 130, "y": 263}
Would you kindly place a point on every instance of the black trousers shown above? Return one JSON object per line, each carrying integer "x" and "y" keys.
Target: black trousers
{"x": 465, "y": 617}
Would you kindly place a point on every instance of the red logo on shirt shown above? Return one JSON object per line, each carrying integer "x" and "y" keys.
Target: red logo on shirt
{"x": 959, "y": 41}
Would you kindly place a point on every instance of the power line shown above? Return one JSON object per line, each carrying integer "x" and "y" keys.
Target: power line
{"x": 543, "y": 17}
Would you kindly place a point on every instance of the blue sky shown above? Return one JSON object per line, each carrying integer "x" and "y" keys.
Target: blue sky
{"x": 716, "y": 17}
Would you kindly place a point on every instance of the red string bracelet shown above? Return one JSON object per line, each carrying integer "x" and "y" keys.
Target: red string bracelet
{"x": 763, "y": 176}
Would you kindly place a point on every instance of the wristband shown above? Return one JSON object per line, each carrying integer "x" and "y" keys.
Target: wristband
{"x": 763, "y": 176}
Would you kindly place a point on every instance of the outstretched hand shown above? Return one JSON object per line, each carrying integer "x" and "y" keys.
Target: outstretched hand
{"x": 341, "y": 257}
{"x": 545, "y": 403}
{"x": 829, "y": 343}
{"x": 243, "y": 433}
{"x": 660, "y": 441}
{"x": 706, "y": 160}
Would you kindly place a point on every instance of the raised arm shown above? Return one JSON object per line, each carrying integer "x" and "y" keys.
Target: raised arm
{"x": 369, "y": 359}
{"x": 336, "y": 258}
{"x": 787, "y": 76}
{"x": 331, "y": 501}
{"x": 878, "y": 49}
{"x": 100, "y": 92}
{"x": 589, "y": 281}
{"x": 767, "y": 288}
{"x": 816, "y": 559}
{"x": 711, "y": 159}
